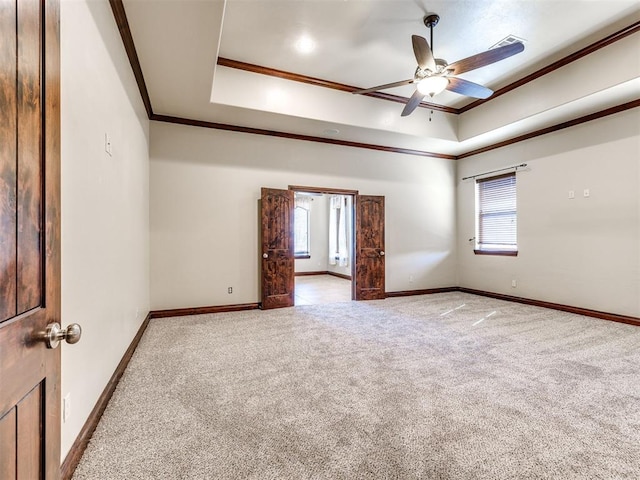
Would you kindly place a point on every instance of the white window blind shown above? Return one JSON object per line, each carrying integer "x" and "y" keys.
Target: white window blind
{"x": 497, "y": 213}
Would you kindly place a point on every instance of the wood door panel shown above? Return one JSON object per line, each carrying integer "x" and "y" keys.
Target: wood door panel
{"x": 21, "y": 437}
{"x": 277, "y": 271}
{"x": 278, "y": 222}
{"x": 8, "y": 441}
{"x": 369, "y": 277}
{"x": 369, "y": 280}
{"x": 277, "y": 248}
{"x": 371, "y": 223}
{"x": 29, "y": 156}
{"x": 8, "y": 164}
{"x": 29, "y": 441}
{"x": 22, "y": 370}
{"x": 21, "y": 428}
{"x": 29, "y": 173}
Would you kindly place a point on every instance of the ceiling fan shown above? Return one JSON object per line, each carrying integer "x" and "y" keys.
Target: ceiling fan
{"x": 434, "y": 75}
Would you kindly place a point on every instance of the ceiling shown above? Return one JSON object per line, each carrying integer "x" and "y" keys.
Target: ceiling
{"x": 366, "y": 43}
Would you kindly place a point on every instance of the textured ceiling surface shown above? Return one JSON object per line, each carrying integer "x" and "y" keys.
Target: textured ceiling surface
{"x": 363, "y": 44}
{"x": 368, "y": 43}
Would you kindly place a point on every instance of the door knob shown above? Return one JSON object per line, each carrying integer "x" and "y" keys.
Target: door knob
{"x": 55, "y": 334}
{"x": 265, "y": 255}
{"x": 382, "y": 253}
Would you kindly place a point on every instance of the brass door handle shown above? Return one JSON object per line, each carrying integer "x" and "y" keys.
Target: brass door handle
{"x": 55, "y": 334}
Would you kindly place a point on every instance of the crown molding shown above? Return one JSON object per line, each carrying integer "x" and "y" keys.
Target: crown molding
{"x": 296, "y": 136}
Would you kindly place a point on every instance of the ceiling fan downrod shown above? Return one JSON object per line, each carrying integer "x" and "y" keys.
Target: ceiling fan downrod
{"x": 431, "y": 21}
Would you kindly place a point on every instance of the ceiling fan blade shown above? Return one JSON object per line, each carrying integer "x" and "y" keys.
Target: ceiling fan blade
{"x": 385, "y": 86}
{"x": 423, "y": 53}
{"x": 484, "y": 58}
{"x": 470, "y": 89}
{"x": 413, "y": 103}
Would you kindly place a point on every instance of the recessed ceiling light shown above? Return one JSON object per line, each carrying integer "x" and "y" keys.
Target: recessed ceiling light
{"x": 331, "y": 131}
{"x": 305, "y": 44}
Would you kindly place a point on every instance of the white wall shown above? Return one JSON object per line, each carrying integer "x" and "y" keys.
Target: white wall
{"x": 582, "y": 252}
{"x": 205, "y": 186}
{"x": 105, "y": 223}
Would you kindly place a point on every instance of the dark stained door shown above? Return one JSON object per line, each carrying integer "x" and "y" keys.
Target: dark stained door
{"x": 368, "y": 283}
{"x": 29, "y": 238}
{"x": 278, "y": 274}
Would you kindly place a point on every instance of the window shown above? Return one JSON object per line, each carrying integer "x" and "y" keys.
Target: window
{"x": 301, "y": 228}
{"x": 496, "y": 219}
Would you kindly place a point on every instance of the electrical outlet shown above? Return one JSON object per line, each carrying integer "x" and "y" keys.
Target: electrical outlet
{"x": 586, "y": 192}
{"x": 66, "y": 407}
{"x": 514, "y": 283}
{"x": 410, "y": 278}
{"x": 230, "y": 290}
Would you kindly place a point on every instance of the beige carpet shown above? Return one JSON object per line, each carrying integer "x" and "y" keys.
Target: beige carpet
{"x": 448, "y": 386}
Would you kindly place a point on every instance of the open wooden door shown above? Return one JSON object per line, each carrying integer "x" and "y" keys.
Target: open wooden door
{"x": 368, "y": 282}
{"x": 278, "y": 268}
{"x": 29, "y": 238}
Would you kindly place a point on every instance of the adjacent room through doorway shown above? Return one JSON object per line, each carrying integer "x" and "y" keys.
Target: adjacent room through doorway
{"x": 321, "y": 289}
{"x": 323, "y": 238}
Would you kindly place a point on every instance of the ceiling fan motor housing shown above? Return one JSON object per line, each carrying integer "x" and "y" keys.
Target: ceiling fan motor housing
{"x": 431, "y": 20}
{"x": 441, "y": 64}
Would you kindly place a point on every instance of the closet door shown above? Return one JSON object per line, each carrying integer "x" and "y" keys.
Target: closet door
{"x": 368, "y": 282}
{"x": 278, "y": 267}
{"x": 29, "y": 239}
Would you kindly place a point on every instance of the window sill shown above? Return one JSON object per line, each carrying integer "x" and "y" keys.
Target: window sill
{"x": 301, "y": 256}
{"x": 502, "y": 253}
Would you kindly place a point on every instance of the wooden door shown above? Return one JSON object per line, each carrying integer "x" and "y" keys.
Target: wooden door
{"x": 278, "y": 268}
{"x": 368, "y": 282}
{"x": 29, "y": 238}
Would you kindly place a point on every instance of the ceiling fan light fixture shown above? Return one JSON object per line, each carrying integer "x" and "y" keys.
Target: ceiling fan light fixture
{"x": 432, "y": 85}
{"x": 433, "y": 75}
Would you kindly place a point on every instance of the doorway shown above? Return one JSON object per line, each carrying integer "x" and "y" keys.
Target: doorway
{"x": 323, "y": 246}
{"x": 277, "y": 262}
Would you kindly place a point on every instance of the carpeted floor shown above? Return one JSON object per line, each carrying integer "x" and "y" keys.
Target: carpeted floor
{"x": 447, "y": 386}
